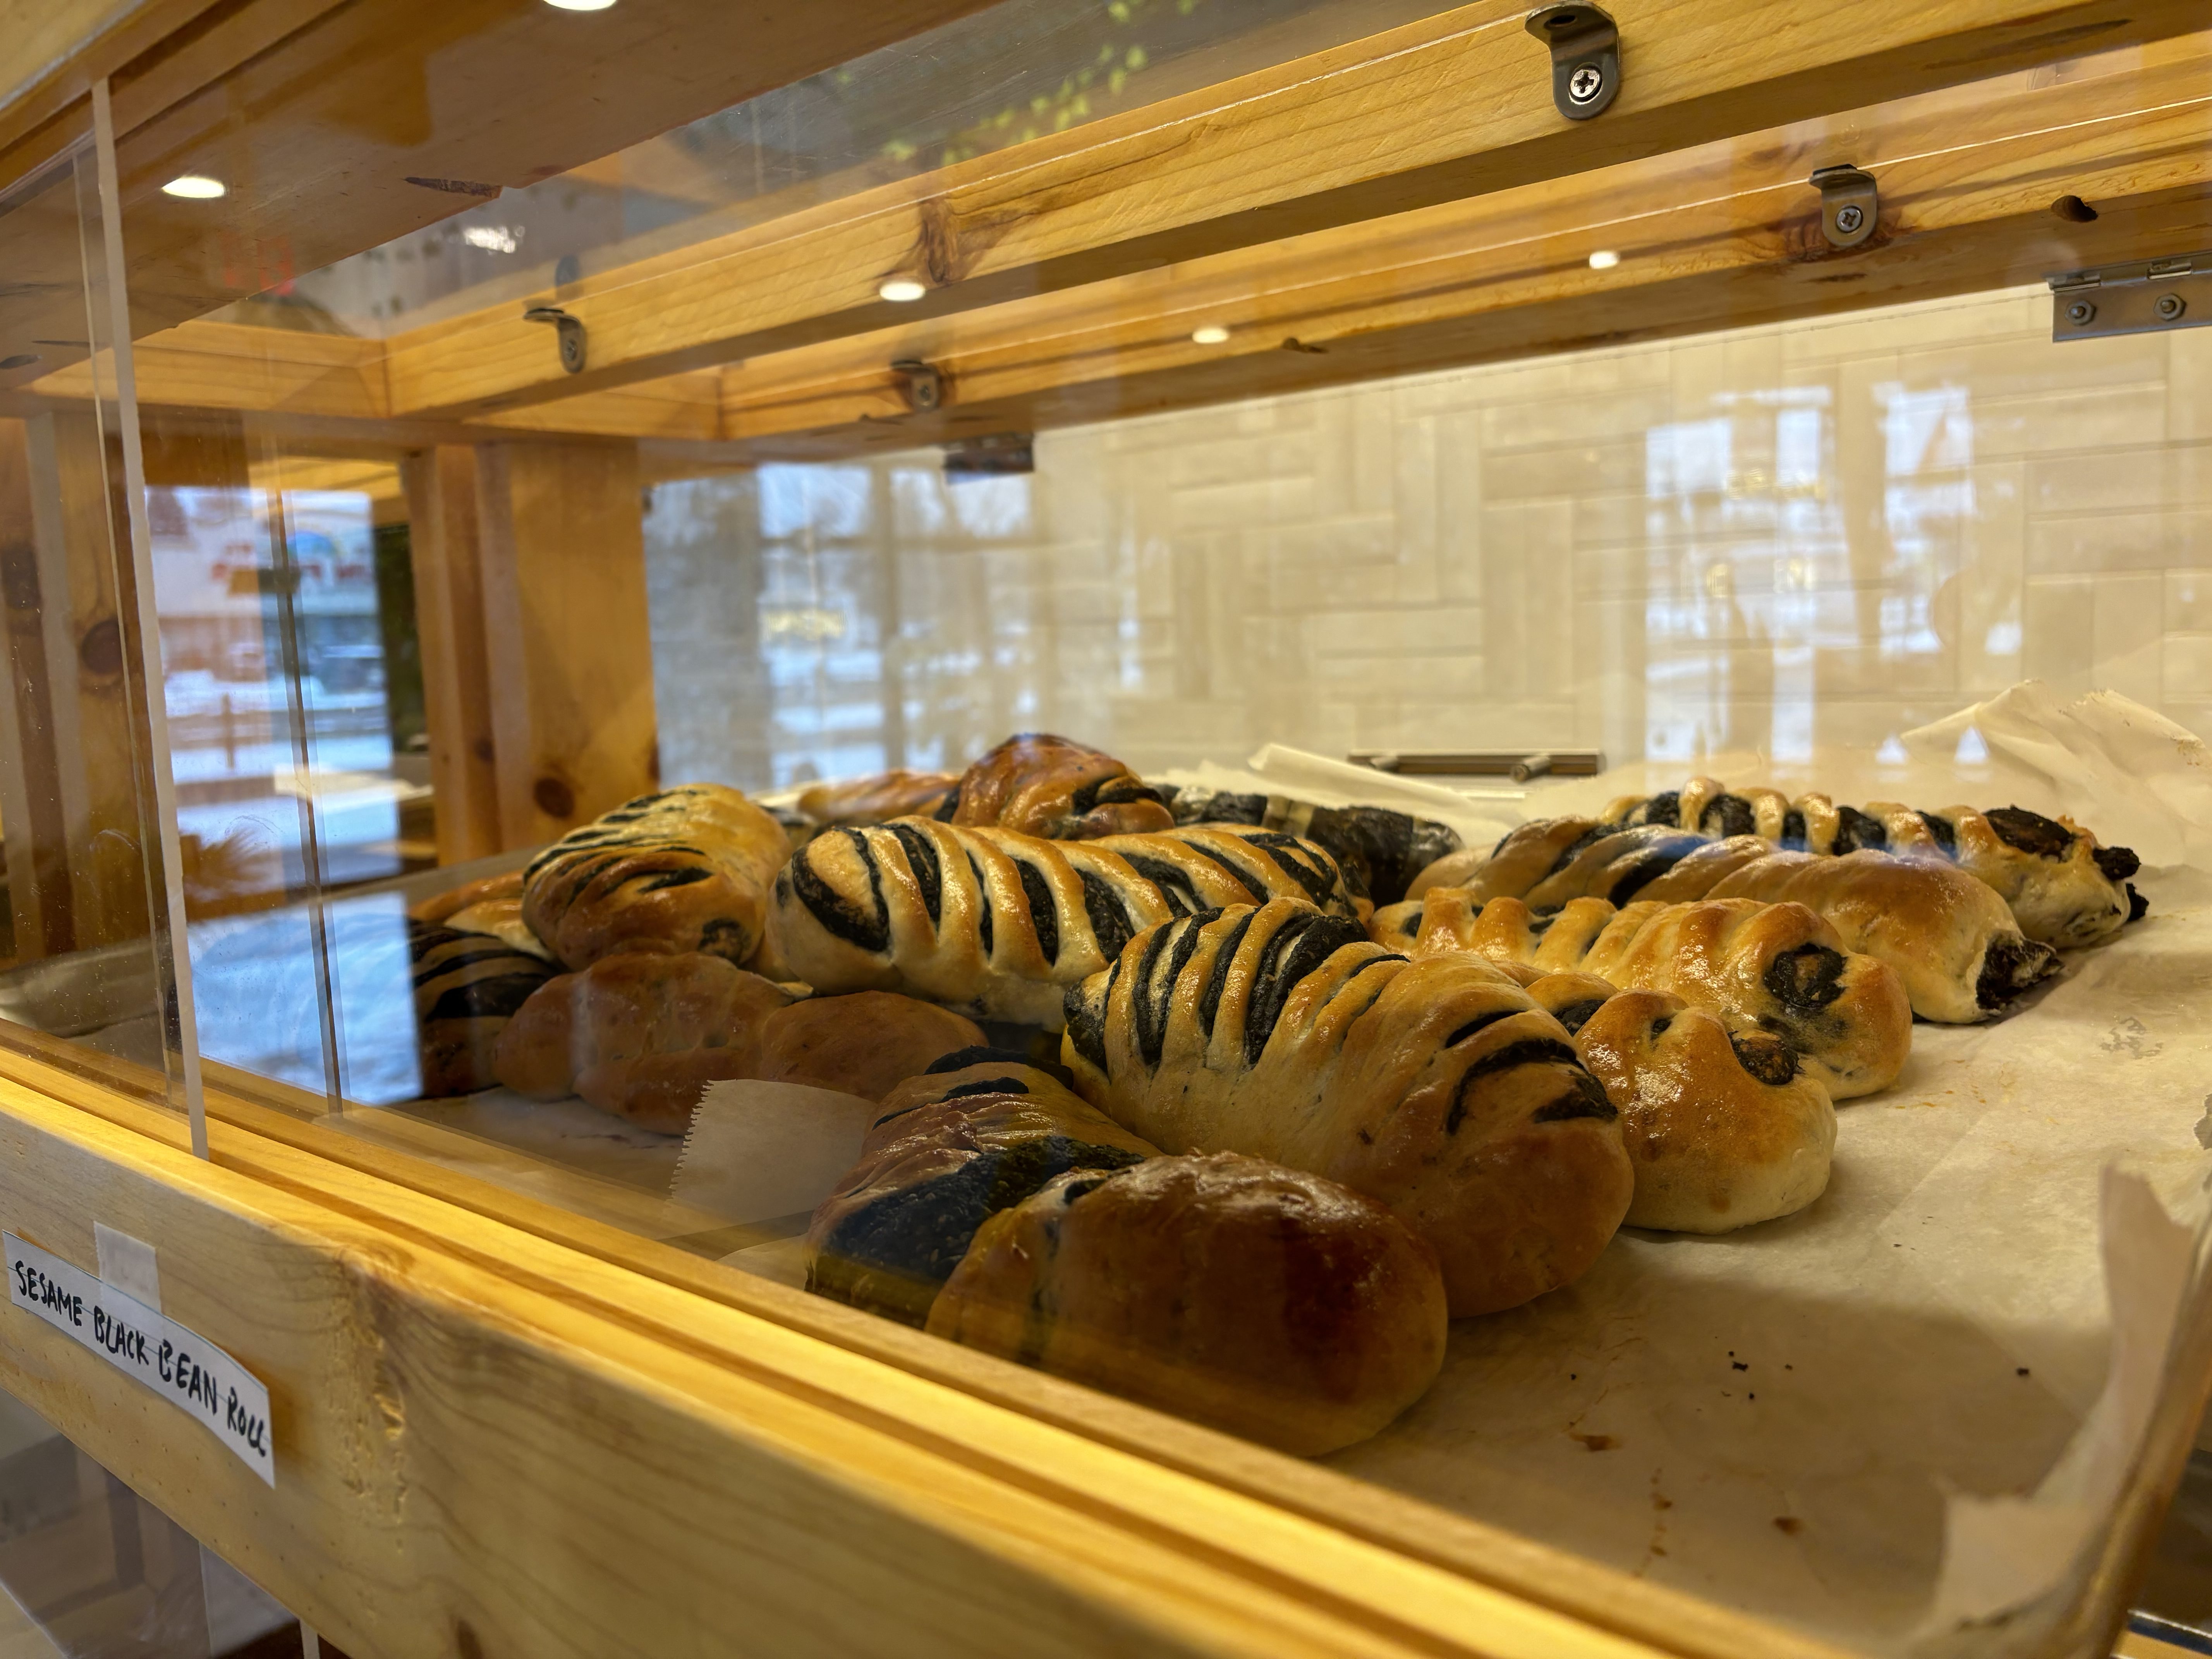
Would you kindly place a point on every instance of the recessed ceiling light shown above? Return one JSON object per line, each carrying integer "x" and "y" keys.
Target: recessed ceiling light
{"x": 1209, "y": 334}
{"x": 580, "y": 5}
{"x": 901, "y": 290}
{"x": 1604, "y": 259}
{"x": 194, "y": 187}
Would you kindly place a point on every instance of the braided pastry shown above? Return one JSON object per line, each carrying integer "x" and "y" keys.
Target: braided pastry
{"x": 684, "y": 870}
{"x": 1380, "y": 851}
{"x": 1780, "y": 969}
{"x": 998, "y": 924}
{"x": 1265, "y": 1301}
{"x": 1723, "y": 1127}
{"x": 2064, "y": 888}
{"x": 878, "y": 800}
{"x": 1040, "y": 785}
{"x": 979, "y": 1131}
{"x": 468, "y": 987}
{"x": 1949, "y": 936}
{"x": 1437, "y": 1087}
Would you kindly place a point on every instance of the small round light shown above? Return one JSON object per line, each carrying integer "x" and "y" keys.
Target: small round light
{"x": 902, "y": 290}
{"x": 1209, "y": 334}
{"x": 1604, "y": 259}
{"x": 580, "y": 5}
{"x": 194, "y": 187}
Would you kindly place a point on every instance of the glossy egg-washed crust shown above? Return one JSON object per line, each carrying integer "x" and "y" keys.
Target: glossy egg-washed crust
{"x": 1950, "y": 938}
{"x": 1723, "y": 1127}
{"x": 878, "y": 799}
{"x": 685, "y": 870}
{"x": 1038, "y": 784}
{"x": 1263, "y": 1300}
{"x": 1437, "y": 1088}
{"x": 467, "y": 987}
{"x": 997, "y": 924}
{"x": 1778, "y": 968}
{"x": 1379, "y": 850}
{"x": 2064, "y": 888}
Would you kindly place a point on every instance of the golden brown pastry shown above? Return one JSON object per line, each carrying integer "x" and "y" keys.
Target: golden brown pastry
{"x": 1723, "y": 1128}
{"x": 501, "y": 918}
{"x": 1041, "y": 784}
{"x": 2064, "y": 888}
{"x": 878, "y": 800}
{"x": 1262, "y": 1300}
{"x": 979, "y": 1131}
{"x": 490, "y": 890}
{"x": 685, "y": 870}
{"x": 1776, "y": 967}
{"x": 1961, "y": 955}
{"x": 1437, "y": 1087}
{"x": 640, "y": 1037}
{"x": 468, "y": 987}
{"x": 864, "y": 1044}
{"x": 997, "y": 924}
{"x": 1379, "y": 850}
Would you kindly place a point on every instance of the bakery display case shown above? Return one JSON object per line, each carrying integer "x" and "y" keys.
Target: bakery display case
{"x": 1328, "y": 825}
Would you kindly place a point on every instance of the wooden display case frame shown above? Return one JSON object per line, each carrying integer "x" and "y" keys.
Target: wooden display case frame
{"x": 507, "y": 1426}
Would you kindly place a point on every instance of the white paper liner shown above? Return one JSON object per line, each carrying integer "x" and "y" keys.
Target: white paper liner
{"x": 764, "y": 1152}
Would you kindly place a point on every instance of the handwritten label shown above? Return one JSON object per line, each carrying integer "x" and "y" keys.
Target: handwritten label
{"x": 187, "y": 1371}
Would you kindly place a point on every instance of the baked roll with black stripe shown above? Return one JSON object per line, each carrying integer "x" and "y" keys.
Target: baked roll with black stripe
{"x": 1380, "y": 851}
{"x": 864, "y": 1044}
{"x": 1037, "y": 784}
{"x": 468, "y": 986}
{"x": 1776, "y": 967}
{"x": 1436, "y": 1087}
{"x": 1260, "y": 1299}
{"x": 1723, "y": 1128}
{"x": 2064, "y": 888}
{"x": 684, "y": 870}
{"x": 979, "y": 1131}
{"x": 997, "y": 924}
{"x": 878, "y": 799}
{"x": 1949, "y": 936}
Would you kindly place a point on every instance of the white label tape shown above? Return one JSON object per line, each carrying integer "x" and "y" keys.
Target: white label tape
{"x": 187, "y": 1371}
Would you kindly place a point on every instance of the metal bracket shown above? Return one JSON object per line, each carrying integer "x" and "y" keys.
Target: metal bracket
{"x": 1001, "y": 455}
{"x": 1585, "y": 58}
{"x": 1848, "y": 204}
{"x": 2145, "y": 297}
{"x": 571, "y": 333}
{"x": 924, "y": 385}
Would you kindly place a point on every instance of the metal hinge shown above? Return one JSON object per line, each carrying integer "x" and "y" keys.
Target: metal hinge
{"x": 922, "y": 383}
{"x": 1849, "y": 203}
{"x": 1519, "y": 764}
{"x": 998, "y": 456}
{"x": 2139, "y": 298}
{"x": 571, "y": 333}
{"x": 1585, "y": 58}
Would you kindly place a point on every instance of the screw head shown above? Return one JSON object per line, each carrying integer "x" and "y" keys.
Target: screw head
{"x": 2081, "y": 313}
{"x": 1585, "y": 84}
{"x": 1850, "y": 217}
{"x": 2170, "y": 306}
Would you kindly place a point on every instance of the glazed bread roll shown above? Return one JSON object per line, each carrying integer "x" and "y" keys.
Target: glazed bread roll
{"x": 1379, "y": 851}
{"x": 1780, "y": 967}
{"x": 998, "y": 925}
{"x": 981, "y": 1131}
{"x": 1436, "y": 1087}
{"x": 2064, "y": 888}
{"x": 1040, "y": 785}
{"x": 1949, "y": 936}
{"x": 468, "y": 987}
{"x": 864, "y": 1044}
{"x": 685, "y": 870}
{"x": 1723, "y": 1128}
{"x": 1570, "y": 999}
{"x": 1262, "y": 1300}
{"x": 640, "y": 1037}
{"x": 1960, "y": 955}
{"x": 490, "y": 890}
{"x": 501, "y": 918}
{"x": 878, "y": 800}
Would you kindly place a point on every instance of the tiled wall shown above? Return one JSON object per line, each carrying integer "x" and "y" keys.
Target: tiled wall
{"x": 1769, "y": 538}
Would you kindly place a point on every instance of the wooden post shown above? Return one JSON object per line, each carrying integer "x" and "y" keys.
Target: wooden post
{"x": 568, "y": 644}
{"x": 449, "y": 618}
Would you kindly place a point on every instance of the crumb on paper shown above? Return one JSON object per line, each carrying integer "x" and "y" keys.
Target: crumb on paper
{"x": 1595, "y": 1441}
{"x": 1789, "y": 1523}
{"x": 1739, "y": 1365}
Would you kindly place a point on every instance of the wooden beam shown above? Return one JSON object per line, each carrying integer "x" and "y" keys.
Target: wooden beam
{"x": 568, "y": 645}
{"x": 449, "y": 616}
{"x": 1723, "y": 235}
{"x": 1453, "y": 106}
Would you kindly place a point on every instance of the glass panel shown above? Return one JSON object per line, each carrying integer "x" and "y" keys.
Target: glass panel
{"x": 1626, "y": 479}
{"x": 86, "y": 982}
